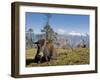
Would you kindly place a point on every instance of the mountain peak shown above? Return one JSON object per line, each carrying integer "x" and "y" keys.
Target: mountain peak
{"x": 77, "y": 34}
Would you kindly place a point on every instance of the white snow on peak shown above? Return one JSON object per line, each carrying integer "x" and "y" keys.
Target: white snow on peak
{"x": 73, "y": 33}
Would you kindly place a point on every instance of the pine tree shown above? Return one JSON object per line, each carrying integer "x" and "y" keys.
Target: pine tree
{"x": 29, "y": 38}
{"x": 49, "y": 32}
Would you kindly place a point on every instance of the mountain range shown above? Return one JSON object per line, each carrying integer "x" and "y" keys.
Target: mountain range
{"x": 73, "y": 38}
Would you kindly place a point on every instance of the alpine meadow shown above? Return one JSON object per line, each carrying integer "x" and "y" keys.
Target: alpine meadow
{"x": 56, "y": 39}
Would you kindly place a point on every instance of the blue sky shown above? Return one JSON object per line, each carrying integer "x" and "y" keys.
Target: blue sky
{"x": 61, "y": 23}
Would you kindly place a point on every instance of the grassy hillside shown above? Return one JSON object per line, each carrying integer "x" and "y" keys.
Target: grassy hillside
{"x": 64, "y": 57}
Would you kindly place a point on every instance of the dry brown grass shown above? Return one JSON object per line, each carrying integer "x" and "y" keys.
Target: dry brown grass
{"x": 65, "y": 57}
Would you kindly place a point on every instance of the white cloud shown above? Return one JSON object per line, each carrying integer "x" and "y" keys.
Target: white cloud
{"x": 77, "y": 33}
{"x": 61, "y": 31}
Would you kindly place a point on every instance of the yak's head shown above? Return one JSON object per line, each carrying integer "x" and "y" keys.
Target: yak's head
{"x": 41, "y": 42}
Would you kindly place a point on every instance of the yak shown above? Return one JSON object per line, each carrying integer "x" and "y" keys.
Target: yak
{"x": 45, "y": 51}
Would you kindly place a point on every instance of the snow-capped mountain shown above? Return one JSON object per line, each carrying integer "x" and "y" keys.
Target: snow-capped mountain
{"x": 73, "y": 37}
{"x": 77, "y": 34}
